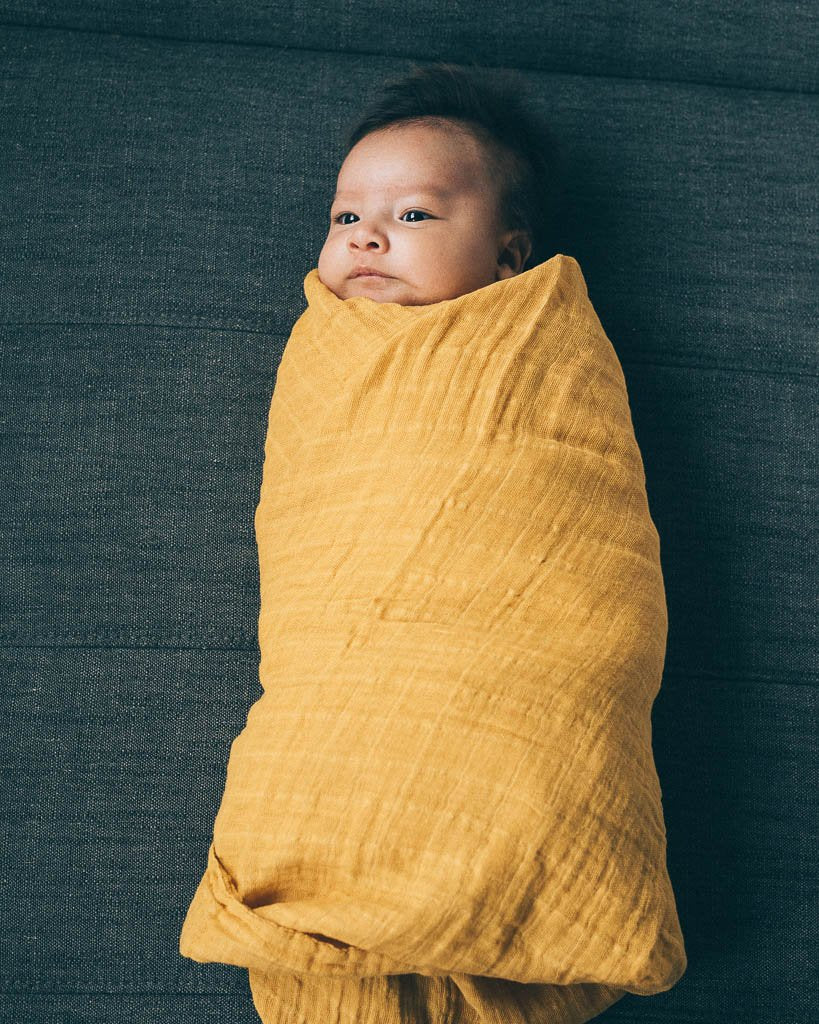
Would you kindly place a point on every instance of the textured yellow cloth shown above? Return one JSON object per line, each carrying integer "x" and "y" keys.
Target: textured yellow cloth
{"x": 444, "y": 807}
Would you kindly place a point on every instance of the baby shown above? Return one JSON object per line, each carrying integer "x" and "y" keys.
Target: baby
{"x": 462, "y": 616}
{"x": 444, "y": 189}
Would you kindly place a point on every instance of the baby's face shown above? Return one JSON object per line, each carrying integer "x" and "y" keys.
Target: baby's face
{"x": 415, "y": 203}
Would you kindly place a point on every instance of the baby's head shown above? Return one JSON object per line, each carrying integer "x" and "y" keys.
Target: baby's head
{"x": 445, "y": 188}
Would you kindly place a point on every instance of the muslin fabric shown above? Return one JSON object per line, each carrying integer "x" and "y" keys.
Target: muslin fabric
{"x": 444, "y": 806}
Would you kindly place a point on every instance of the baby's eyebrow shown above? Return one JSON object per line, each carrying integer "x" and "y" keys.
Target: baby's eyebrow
{"x": 426, "y": 190}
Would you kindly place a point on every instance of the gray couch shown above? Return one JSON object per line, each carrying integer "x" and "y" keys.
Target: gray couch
{"x": 166, "y": 177}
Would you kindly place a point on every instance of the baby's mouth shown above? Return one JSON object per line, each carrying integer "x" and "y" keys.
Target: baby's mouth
{"x": 369, "y": 274}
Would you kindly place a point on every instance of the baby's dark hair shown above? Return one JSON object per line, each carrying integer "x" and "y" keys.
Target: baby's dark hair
{"x": 523, "y": 159}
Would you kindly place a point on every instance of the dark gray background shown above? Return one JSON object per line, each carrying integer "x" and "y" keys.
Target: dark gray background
{"x": 166, "y": 178}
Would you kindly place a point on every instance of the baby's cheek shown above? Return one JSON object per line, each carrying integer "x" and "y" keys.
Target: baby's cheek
{"x": 326, "y": 276}
{"x": 337, "y": 290}
{"x": 324, "y": 265}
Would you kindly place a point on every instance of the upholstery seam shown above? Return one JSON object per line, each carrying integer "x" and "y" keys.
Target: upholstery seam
{"x": 404, "y": 56}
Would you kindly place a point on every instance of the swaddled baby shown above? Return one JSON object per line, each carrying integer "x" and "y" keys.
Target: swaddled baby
{"x": 444, "y": 807}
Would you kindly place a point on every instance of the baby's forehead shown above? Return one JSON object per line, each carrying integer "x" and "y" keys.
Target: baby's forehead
{"x": 442, "y": 161}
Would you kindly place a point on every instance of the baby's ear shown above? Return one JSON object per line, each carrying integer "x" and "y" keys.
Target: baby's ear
{"x": 515, "y": 250}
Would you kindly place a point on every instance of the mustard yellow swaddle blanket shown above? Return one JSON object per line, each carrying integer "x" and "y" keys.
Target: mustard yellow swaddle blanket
{"x": 444, "y": 807}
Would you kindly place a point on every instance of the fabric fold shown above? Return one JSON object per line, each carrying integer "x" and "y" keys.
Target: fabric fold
{"x": 444, "y": 805}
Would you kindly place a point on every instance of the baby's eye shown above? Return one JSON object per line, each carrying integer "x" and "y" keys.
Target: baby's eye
{"x": 415, "y": 211}
{"x": 338, "y": 217}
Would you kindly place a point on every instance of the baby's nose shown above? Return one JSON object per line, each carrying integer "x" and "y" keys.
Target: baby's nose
{"x": 367, "y": 234}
